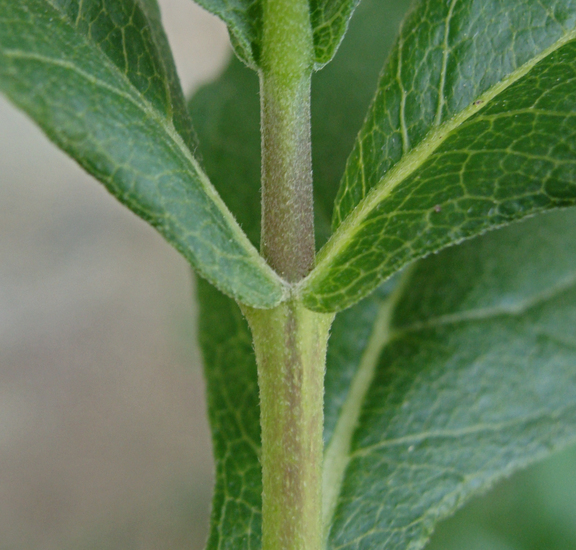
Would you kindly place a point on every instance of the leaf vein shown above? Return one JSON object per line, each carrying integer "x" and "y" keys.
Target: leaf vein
{"x": 444, "y": 70}
{"x": 484, "y": 314}
{"x": 414, "y": 160}
{"x": 337, "y": 454}
{"x": 412, "y": 439}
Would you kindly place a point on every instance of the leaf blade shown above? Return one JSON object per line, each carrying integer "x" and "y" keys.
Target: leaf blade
{"x": 234, "y": 414}
{"x": 124, "y": 125}
{"x": 474, "y": 380}
{"x": 329, "y": 23}
{"x": 396, "y": 205}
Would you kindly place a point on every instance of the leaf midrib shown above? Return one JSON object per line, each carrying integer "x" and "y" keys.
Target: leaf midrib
{"x": 337, "y": 454}
{"x": 410, "y": 162}
{"x": 481, "y": 427}
{"x": 488, "y": 313}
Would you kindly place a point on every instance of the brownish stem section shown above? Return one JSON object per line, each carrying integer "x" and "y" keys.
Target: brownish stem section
{"x": 287, "y": 203}
{"x": 285, "y": 73}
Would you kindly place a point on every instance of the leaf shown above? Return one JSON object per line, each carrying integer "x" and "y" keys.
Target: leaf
{"x": 329, "y": 20}
{"x": 468, "y": 375}
{"x": 234, "y": 414}
{"x": 329, "y": 23}
{"x": 97, "y": 77}
{"x": 473, "y": 126}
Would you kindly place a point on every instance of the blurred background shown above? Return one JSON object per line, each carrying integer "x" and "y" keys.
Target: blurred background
{"x": 104, "y": 442}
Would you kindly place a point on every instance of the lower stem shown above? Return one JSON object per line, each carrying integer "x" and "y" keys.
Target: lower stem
{"x": 290, "y": 343}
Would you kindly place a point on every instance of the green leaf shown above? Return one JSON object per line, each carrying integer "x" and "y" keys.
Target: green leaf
{"x": 234, "y": 414}
{"x": 98, "y": 78}
{"x": 473, "y": 126}
{"x": 329, "y": 20}
{"x": 329, "y": 23}
{"x": 468, "y": 374}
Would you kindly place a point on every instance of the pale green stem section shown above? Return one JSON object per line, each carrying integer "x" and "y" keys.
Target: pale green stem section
{"x": 290, "y": 343}
{"x": 287, "y": 204}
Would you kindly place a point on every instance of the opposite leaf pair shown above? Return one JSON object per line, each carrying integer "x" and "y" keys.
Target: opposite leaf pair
{"x": 472, "y": 127}
{"x": 434, "y": 390}
{"x": 454, "y": 375}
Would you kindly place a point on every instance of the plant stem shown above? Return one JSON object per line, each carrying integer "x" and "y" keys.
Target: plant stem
{"x": 287, "y": 204}
{"x": 290, "y": 343}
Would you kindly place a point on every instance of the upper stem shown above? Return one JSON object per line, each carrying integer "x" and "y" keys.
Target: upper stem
{"x": 287, "y": 204}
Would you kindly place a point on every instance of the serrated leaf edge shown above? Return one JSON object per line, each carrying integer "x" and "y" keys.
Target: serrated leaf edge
{"x": 408, "y": 165}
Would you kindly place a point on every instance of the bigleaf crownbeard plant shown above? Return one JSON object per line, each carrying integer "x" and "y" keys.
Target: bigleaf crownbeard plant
{"x": 360, "y": 388}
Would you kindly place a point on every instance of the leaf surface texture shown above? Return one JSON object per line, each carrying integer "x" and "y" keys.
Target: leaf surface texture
{"x": 473, "y": 126}
{"x": 473, "y": 378}
{"x": 97, "y": 76}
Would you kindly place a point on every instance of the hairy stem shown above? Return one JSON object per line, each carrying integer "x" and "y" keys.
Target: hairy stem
{"x": 287, "y": 204}
{"x": 289, "y": 340}
{"x": 290, "y": 343}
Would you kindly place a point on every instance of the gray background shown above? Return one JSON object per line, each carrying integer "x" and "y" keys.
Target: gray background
{"x": 104, "y": 441}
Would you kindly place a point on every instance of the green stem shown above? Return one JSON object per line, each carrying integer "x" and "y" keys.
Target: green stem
{"x": 287, "y": 204}
{"x": 289, "y": 340}
{"x": 290, "y": 343}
